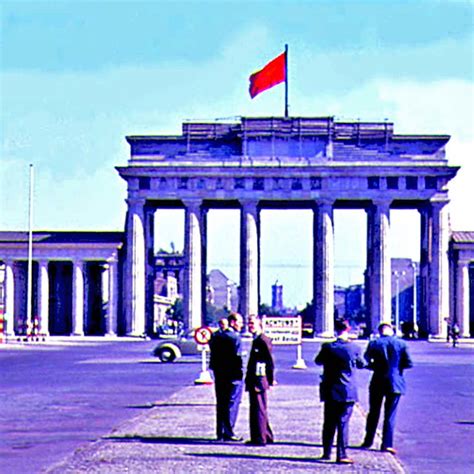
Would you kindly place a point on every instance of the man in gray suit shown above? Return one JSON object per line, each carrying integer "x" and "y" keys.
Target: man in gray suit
{"x": 388, "y": 357}
{"x": 338, "y": 389}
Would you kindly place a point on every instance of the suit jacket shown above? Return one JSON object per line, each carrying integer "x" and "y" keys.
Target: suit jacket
{"x": 388, "y": 357}
{"x": 339, "y": 360}
{"x": 260, "y": 353}
{"x": 226, "y": 355}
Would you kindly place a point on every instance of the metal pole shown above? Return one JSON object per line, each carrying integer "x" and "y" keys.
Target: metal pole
{"x": 415, "y": 302}
{"x": 286, "y": 81}
{"x": 397, "y": 301}
{"x": 29, "y": 306}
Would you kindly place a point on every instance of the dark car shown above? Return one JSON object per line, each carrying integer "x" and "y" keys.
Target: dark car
{"x": 172, "y": 348}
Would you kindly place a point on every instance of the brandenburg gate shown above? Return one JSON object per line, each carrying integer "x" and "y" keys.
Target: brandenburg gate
{"x": 314, "y": 163}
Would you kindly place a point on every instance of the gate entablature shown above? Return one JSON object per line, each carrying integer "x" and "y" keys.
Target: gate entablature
{"x": 315, "y": 162}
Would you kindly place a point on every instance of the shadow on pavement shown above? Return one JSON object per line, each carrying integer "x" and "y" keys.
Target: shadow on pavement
{"x": 160, "y": 440}
{"x": 259, "y": 457}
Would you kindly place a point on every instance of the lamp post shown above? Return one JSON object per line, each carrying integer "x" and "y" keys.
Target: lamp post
{"x": 397, "y": 275}
{"x": 415, "y": 301}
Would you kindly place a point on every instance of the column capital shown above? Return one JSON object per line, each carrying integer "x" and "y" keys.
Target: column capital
{"x": 133, "y": 202}
{"x": 192, "y": 203}
{"x": 249, "y": 204}
{"x": 324, "y": 202}
{"x": 438, "y": 205}
{"x": 382, "y": 203}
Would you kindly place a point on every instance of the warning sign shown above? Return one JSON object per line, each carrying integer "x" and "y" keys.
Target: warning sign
{"x": 283, "y": 329}
{"x": 203, "y": 335}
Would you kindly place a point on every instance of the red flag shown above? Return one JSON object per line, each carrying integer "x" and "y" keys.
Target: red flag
{"x": 272, "y": 74}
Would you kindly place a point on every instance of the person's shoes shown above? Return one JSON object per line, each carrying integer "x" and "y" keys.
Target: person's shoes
{"x": 324, "y": 457}
{"x": 345, "y": 461}
{"x": 389, "y": 450}
{"x": 253, "y": 443}
{"x": 220, "y": 438}
{"x": 365, "y": 445}
{"x": 233, "y": 438}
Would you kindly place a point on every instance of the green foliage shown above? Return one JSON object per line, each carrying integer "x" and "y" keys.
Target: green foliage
{"x": 266, "y": 310}
{"x": 213, "y": 314}
{"x": 176, "y": 312}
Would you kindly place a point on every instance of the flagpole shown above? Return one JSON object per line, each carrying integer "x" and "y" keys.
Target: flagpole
{"x": 286, "y": 81}
{"x": 29, "y": 305}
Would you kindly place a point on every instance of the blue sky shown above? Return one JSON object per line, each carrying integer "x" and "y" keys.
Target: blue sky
{"x": 76, "y": 77}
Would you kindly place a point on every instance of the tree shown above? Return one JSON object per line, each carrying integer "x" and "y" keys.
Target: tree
{"x": 176, "y": 311}
{"x": 213, "y": 314}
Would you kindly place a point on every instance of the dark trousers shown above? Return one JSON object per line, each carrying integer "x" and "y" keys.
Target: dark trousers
{"x": 228, "y": 397}
{"x": 376, "y": 399}
{"x": 336, "y": 416}
{"x": 260, "y": 430}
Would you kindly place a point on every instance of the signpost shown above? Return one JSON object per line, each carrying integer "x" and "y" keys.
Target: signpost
{"x": 286, "y": 330}
{"x": 202, "y": 336}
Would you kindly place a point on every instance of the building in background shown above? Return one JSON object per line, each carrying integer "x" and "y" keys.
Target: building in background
{"x": 277, "y": 297}
{"x": 222, "y": 292}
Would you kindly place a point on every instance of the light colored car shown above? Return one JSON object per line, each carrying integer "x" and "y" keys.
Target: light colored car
{"x": 172, "y": 348}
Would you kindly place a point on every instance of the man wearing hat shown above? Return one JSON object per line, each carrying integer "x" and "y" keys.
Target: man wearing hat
{"x": 338, "y": 389}
{"x": 387, "y": 356}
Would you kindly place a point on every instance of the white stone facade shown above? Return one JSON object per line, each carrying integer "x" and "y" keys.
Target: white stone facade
{"x": 85, "y": 254}
{"x": 313, "y": 163}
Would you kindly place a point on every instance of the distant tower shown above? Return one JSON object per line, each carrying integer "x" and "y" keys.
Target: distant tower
{"x": 277, "y": 296}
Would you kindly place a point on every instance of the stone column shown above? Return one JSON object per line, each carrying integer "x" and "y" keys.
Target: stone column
{"x": 9, "y": 316}
{"x": 43, "y": 297}
{"x": 378, "y": 264}
{"x": 105, "y": 298}
{"x": 112, "y": 301}
{"x": 134, "y": 284}
{"x": 323, "y": 280}
{"x": 425, "y": 258}
{"x": 149, "y": 214}
{"x": 462, "y": 298}
{"x": 192, "y": 291}
{"x": 78, "y": 298}
{"x": 439, "y": 270}
{"x": 249, "y": 258}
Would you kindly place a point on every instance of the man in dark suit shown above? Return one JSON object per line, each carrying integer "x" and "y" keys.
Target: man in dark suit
{"x": 226, "y": 363}
{"x": 388, "y": 357}
{"x": 259, "y": 378}
{"x": 338, "y": 389}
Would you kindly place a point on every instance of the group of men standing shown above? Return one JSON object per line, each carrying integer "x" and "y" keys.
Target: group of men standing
{"x": 387, "y": 356}
{"x": 227, "y": 364}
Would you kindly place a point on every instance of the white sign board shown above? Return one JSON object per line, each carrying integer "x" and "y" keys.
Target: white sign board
{"x": 283, "y": 329}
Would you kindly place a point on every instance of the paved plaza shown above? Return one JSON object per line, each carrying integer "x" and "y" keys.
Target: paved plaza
{"x": 177, "y": 436}
{"x": 85, "y": 405}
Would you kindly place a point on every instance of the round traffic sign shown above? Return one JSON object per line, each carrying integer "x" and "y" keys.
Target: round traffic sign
{"x": 202, "y": 335}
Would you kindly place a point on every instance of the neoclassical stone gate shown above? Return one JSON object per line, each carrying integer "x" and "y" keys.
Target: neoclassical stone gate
{"x": 313, "y": 163}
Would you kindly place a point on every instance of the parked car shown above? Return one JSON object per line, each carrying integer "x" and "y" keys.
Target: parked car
{"x": 172, "y": 348}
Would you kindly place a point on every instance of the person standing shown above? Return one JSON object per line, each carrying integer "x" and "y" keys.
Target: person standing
{"x": 226, "y": 363}
{"x": 338, "y": 389}
{"x": 388, "y": 357}
{"x": 259, "y": 378}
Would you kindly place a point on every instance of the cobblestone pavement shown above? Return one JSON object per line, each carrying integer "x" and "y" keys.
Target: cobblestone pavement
{"x": 178, "y": 436}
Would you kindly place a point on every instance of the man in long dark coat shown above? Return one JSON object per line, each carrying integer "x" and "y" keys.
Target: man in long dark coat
{"x": 338, "y": 389}
{"x": 226, "y": 363}
{"x": 259, "y": 378}
{"x": 388, "y": 357}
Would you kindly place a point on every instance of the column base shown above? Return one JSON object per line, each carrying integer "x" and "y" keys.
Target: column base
{"x": 300, "y": 364}
{"x": 136, "y": 334}
{"x": 326, "y": 334}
